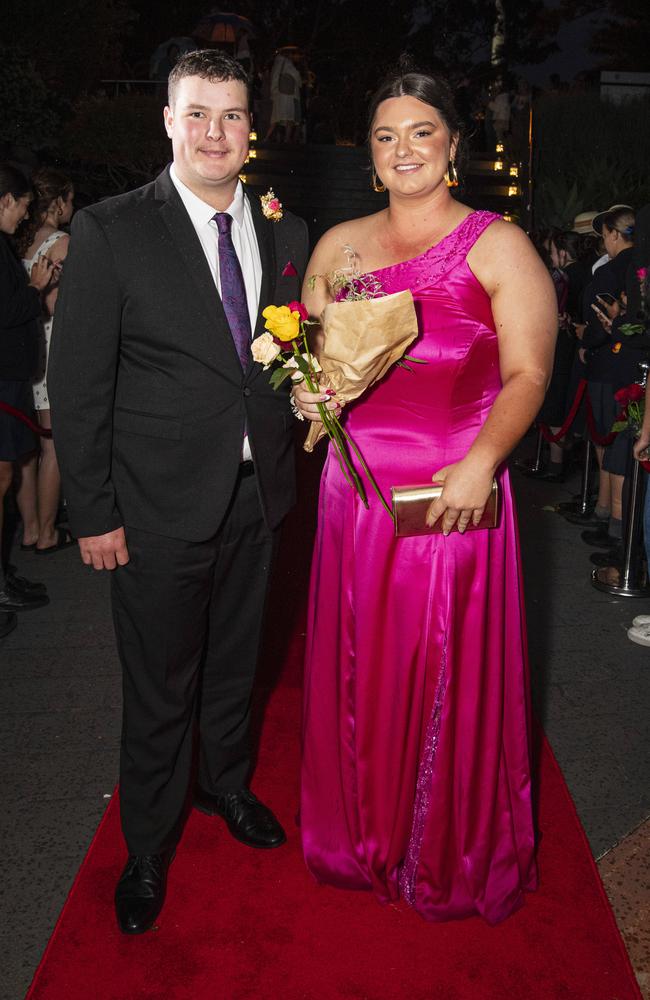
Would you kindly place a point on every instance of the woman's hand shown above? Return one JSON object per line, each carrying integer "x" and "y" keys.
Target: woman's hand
{"x": 605, "y": 320}
{"x": 612, "y": 309}
{"x": 467, "y": 488}
{"x": 41, "y": 273}
{"x": 641, "y": 446}
{"x": 307, "y": 402}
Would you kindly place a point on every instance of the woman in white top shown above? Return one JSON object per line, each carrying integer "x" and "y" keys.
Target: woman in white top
{"x": 38, "y": 494}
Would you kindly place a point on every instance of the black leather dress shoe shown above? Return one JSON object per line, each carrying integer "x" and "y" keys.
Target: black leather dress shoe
{"x": 12, "y": 599}
{"x": 248, "y": 819}
{"x": 8, "y": 622}
{"x": 586, "y": 520}
{"x": 600, "y": 538}
{"x": 612, "y": 557}
{"x": 140, "y": 893}
{"x": 22, "y": 584}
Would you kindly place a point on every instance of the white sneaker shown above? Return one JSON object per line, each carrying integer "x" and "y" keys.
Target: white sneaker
{"x": 640, "y": 634}
{"x": 640, "y": 620}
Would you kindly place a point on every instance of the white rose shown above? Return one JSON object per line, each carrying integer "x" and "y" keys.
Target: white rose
{"x": 265, "y": 350}
{"x": 292, "y": 363}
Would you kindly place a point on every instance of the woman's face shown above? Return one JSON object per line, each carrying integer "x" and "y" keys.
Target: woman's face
{"x": 411, "y": 146}
{"x": 612, "y": 241}
{"x": 13, "y": 211}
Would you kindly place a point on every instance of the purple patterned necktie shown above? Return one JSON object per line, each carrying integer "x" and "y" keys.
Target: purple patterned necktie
{"x": 233, "y": 290}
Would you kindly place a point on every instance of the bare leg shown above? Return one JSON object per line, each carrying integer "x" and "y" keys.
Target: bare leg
{"x": 27, "y": 497}
{"x": 604, "y": 485}
{"x": 616, "y": 485}
{"x": 49, "y": 487}
{"x": 556, "y": 452}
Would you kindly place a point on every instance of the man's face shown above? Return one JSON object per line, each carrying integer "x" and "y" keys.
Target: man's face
{"x": 209, "y": 126}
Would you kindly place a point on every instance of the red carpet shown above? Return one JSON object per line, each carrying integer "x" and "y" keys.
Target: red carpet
{"x": 242, "y": 924}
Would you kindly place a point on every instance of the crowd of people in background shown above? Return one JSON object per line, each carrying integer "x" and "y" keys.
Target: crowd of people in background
{"x": 33, "y": 247}
{"x": 599, "y": 265}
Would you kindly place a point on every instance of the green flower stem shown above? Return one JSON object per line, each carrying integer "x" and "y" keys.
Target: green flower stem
{"x": 342, "y": 440}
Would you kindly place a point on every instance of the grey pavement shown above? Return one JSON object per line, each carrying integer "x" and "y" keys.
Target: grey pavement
{"x": 60, "y": 716}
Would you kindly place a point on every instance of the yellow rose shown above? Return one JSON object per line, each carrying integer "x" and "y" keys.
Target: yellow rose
{"x": 282, "y": 323}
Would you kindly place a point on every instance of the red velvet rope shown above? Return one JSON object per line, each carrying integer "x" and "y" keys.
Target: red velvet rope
{"x": 600, "y": 439}
{"x": 19, "y": 415}
{"x": 575, "y": 406}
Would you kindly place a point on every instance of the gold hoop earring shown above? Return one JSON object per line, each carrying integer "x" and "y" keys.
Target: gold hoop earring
{"x": 451, "y": 175}
{"x": 376, "y": 183}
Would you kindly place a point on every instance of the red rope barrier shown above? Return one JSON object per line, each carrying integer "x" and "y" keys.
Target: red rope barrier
{"x": 575, "y": 406}
{"x": 19, "y": 415}
{"x": 602, "y": 440}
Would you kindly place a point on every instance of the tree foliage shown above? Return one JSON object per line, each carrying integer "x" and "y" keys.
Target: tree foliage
{"x": 73, "y": 44}
{"x": 29, "y": 112}
{"x": 119, "y": 142}
{"x": 623, "y": 37}
{"x": 605, "y": 162}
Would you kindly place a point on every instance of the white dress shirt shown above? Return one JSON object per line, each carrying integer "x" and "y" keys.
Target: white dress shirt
{"x": 244, "y": 241}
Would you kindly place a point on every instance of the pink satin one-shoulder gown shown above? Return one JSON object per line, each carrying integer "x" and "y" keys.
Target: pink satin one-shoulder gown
{"x": 416, "y": 742}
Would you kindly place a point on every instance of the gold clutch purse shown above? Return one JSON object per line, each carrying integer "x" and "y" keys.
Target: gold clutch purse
{"x": 411, "y": 503}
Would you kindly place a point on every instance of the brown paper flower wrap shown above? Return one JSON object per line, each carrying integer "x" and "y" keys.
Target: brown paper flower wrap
{"x": 362, "y": 339}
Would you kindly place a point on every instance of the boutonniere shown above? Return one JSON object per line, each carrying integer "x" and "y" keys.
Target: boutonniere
{"x": 271, "y": 206}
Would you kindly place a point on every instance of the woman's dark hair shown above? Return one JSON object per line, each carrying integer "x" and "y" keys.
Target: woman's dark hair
{"x": 578, "y": 246}
{"x": 429, "y": 89}
{"x": 48, "y": 185}
{"x": 13, "y": 181}
{"x": 622, "y": 220}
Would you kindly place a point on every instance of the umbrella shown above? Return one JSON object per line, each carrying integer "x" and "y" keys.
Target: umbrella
{"x": 220, "y": 26}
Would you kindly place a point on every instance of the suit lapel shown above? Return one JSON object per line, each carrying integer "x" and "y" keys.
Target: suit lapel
{"x": 266, "y": 244}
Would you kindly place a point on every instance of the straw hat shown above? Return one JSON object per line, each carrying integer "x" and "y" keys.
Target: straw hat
{"x": 583, "y": 223}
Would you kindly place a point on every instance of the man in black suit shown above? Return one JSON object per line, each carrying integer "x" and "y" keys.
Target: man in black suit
{"x": 177, "y": 461}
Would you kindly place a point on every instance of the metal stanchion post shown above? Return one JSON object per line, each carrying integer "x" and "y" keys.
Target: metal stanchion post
{"x": 537, "y": 463}
{"x": 583, "y": 505}
{"x": 629, "y": 581}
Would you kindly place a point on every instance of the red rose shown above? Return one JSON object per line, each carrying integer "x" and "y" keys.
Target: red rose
{"x": 300, "y": 309}
{"x": 623, "y": 396}
{"x": 636, "y": 392}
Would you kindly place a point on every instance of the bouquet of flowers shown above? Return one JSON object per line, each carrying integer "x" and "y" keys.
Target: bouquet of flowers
{"x": 631, "y": 399}
{"x": 365, "y": 334}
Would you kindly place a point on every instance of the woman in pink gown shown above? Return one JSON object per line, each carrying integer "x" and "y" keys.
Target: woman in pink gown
{"x": 416, "y": 751}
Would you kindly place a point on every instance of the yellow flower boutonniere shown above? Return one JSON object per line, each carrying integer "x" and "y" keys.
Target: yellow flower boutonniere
{"x": 271, "y": 206}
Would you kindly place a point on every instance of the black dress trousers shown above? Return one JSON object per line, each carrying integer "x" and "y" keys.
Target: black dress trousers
{"x": 188, "y": 618}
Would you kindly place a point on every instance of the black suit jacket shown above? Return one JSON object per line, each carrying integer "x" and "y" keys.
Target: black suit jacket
{"x": 148, "y": 396}
{"x": 20, "y": 309}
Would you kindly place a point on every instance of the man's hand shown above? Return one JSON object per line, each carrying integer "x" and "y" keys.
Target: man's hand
{"x": 104, "y": 551}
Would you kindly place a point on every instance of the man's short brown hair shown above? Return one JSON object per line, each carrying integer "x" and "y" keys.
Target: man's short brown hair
{"x": 209, "y": 64}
